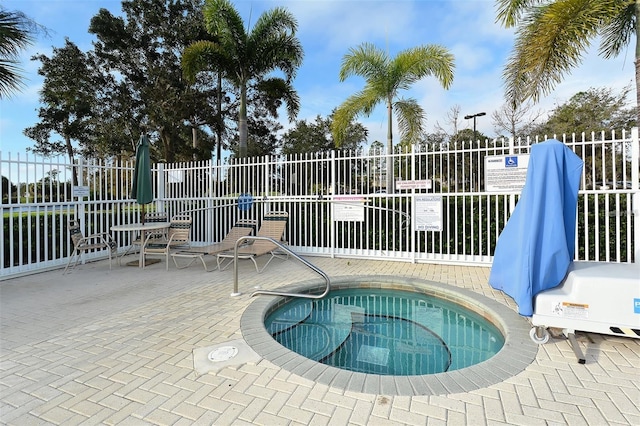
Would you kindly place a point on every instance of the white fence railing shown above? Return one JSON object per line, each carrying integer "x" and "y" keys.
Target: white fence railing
{"x": 338, "y": 202}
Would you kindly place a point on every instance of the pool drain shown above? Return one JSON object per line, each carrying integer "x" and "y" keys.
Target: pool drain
{"x": 223, "y": 353}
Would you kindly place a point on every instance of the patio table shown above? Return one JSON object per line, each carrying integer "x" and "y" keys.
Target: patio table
{"x": 142, "y": 228}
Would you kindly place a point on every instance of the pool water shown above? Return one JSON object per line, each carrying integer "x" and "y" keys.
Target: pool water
{"x": 385, "y": 332}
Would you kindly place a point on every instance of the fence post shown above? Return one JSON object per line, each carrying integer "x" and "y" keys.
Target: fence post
{"x": 512, "y": 197}
{"x": 635, "y": 185}
{"x": 411, "y": 224}
{"x": 80, "y": 200}
{"x": 160, "y": 187}
{"x": 332, "y": 191}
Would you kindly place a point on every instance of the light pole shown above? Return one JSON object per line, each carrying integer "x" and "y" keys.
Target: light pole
{"x": 479, "y": 114}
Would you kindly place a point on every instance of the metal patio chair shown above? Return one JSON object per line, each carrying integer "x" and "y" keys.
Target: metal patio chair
{"x": 82, "y": 244}
{"x": 178, "y": 236}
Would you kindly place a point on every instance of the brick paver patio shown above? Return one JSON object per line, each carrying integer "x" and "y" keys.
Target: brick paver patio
{"x": 117, "y": 347}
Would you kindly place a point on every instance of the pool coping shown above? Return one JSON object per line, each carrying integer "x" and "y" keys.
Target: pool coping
{"x": 518, "y": 352}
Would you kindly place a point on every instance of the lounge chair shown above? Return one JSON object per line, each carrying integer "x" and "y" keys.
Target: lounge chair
{"x": 82, "y": 244}
{"x": 242, "y": 228}
{"x": 273, "y": 226}
{"x": 178, "y": 237}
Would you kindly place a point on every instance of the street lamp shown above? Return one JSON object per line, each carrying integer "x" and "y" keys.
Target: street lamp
{"x": 479, "y": 114}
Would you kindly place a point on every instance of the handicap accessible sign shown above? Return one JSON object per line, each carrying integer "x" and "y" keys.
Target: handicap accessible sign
{"x": 245, "y": 201}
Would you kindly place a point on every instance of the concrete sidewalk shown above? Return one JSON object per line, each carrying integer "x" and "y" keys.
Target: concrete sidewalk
{"x": 117, "y": 347}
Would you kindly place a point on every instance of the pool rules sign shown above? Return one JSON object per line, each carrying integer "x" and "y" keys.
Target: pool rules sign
{"x": 428, "y": 213}
{"x": 505, "y": 173}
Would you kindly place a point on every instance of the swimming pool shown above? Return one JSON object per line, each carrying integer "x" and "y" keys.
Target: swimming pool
{"x": 516, "y": 353}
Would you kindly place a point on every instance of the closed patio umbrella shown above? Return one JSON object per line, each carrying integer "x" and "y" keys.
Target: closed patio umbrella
{"x": 141, "y": 189}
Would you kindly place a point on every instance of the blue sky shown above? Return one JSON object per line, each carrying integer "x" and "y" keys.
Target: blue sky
{"x": 327, "y": 29}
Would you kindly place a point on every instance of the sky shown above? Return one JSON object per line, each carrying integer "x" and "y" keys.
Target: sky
{"x": 327, "y": 30}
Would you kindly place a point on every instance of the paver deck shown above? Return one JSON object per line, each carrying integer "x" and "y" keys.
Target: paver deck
{"x": 100, "y": 346}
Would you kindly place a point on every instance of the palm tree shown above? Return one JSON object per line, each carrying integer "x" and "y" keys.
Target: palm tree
{"x": 243, "y": 56}
{"x": 552, "y": 36}
{"x": 15, "y": 35}
{"x": 385, "y": 77}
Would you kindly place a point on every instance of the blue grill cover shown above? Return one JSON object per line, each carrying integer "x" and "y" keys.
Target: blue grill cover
{"x": 537, "y": 245}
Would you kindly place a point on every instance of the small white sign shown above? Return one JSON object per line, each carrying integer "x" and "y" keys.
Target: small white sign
{"x": 175, "y": 176}
{"x": 413, "y": 184}
{"x": 348, "y": 209}
{"x": 80, "y": 191}
{"x": 428, "y": 211}
{"x": 505, "y": 173}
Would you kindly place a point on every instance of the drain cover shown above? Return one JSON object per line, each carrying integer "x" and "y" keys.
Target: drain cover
{"x": 223, "y": 353}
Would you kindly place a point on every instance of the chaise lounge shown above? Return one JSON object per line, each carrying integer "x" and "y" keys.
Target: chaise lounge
{"x": 242, "y": 228}
{"x": 273, "y": 226}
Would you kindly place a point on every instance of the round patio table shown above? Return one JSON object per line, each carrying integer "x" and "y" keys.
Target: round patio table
{"x": 142, "y": 228}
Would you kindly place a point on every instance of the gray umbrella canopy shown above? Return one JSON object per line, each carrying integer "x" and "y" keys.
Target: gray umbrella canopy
{"x": 141, "y": 189}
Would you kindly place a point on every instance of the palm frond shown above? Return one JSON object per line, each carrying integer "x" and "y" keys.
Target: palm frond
{"x": 200, "y": 56}
{"x": 15, "y": 36}
{"x": 224, "y": 22}
{"x": 14, "y": 33}
{"x": 362, "y": 102}
{"x": 414, "y": 64}
{"x": 410, "y": 116}
{"x": 551, "y": 41}
{"x": 365, "y": 60}
{"x": 279, "y": 89}
{"x": 274, "y": 22}
{"x": 10, "y": 81}
{"x": 511, "y": 11}
{"x": 282, "y": 51}
{"x": 620, "y": 30}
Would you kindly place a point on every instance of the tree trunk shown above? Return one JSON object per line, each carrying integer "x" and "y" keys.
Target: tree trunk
{"x": 67, "y": 142}
{"x": 242, "y": 122}
{"x": 194, "y": 137}
{"x": 165, "y": 138}
{"x": 219, "y": 123}
{"x": 390, "y": 185}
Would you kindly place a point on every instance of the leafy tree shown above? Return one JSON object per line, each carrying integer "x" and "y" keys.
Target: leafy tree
{"x": 67, "y": 101}
{"x": 143, "y": 50}
{"x": 314, "y": 139}
{"x": 385, "y": 77}
{"x": 243, "y": 56}
{"x": 262, "y": 130}
{"x": 596, "y": 110}
{"x": 552, "y": 36}
{"x": 7, "y": 188}
{"x": 16, "y": 34}
{"x": 310, "y": 137}
{"x": 514, "y": 119}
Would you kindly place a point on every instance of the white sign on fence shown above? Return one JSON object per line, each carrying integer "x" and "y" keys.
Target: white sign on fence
{"x": 505, "y": 173}
{"x": 428, "y": 213}
{"x": 413, "y": 184}
{"x": 348, "y": 209}
{"x": 80, "y": 191}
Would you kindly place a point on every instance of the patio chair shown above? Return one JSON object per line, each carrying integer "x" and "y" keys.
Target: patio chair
{"x": 177, "y": 236}
{"x": 137, "y": 242}
{"x": 273, "y": 226}
{"x": 82, "y": 244}
{"x": 242, "y": 228}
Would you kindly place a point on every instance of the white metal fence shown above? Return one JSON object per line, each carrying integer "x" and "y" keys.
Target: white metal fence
{"x": 338, "y": 202}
